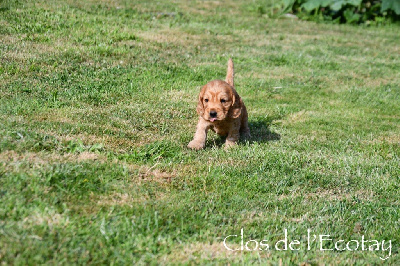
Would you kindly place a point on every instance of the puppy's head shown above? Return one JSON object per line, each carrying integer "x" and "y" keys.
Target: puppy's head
{"x": 217, "y": 101}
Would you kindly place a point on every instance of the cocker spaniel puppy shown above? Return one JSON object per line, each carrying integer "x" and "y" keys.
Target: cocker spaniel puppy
{"x": 222, "y": 110}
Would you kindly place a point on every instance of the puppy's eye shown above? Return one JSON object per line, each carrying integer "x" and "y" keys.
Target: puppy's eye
{"x": 223, "y": 101}
{"x": 206, "y": 100}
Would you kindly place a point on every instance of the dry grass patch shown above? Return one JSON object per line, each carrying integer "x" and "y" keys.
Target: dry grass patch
{"x": 38, "y": 160}
{"x": 297, "y": 117}
{"x": 203, "y": 251}
{"x": 173, "y": 36}
{"x": 313, "y": 135}
{"x": 275, "y": 74}
{"x": 118, "y": 199}
{"x": 338, "y": 195}
{"x": 390, "y": 139}
{"x": 12, "y": 157}
{"x": 331, "y": 195}
{"x": 109, "y": 142}
{"x": 139, "y": 176}
{"x": 85, "y": 138}
{"x": 47, "y": 217}
{"x": 207, "y": 7}
{"x": 24, "y": 50}
{"x": 181, "y": 96}
{"x": 150, "y": 174}
{"x": 182, "y": 39}
{"x": 54, "y": 116}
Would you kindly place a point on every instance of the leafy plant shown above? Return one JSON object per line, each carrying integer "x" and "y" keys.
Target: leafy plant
{"x": 77, "y": 146}
{"x": 345, "y": 11}
{"x": 391, "y": 4}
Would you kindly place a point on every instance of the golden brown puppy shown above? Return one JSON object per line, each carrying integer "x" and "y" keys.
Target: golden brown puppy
{"x": 222, "y": 110}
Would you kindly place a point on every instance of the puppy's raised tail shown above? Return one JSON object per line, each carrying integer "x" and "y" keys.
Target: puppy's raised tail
{"x": 230, "y": 73}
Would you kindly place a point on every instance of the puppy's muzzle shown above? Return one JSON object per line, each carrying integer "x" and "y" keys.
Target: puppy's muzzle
{"x": 213, "y": 114}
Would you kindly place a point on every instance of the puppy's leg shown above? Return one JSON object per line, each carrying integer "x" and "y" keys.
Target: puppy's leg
{"x": 199, "y": 139}
{"x": 244, "y": 127}
{"x": 233, "y": 135}
{"x": 246, "y": 131}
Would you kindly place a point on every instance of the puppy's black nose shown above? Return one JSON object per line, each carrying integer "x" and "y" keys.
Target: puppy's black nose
{"x": 213, "y": 114}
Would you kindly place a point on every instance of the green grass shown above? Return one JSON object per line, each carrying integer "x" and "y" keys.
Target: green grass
{"x": 98, "y": 104}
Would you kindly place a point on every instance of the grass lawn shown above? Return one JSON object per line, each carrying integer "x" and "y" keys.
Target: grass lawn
{"x": 97, "y": 105}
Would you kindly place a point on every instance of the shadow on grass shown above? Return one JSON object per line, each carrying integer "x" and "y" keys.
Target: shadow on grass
{"x": 259, "y": 130}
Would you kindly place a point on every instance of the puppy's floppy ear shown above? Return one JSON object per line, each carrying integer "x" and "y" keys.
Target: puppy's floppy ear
{"x": 200, "y": 106}
{"x": 230, "y": 73}
{"x": 237, "y": 103}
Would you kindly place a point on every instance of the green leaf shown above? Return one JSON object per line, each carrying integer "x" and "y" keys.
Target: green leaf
{"x": 338, "y": 4}
{"x": 314, "y": 4}
{"x": 96, "y": 147}
{"x": 350, "y": 16}
{"x": 391, "y": 4}
{"x": 354, "y": 2}
{"x": 288, "y": 5}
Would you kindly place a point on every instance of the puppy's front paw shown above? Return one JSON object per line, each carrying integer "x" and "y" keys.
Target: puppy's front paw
{"x": 246, "y": 135}
{"x": 195, "y": 145}
{"x": 229, "y": 144}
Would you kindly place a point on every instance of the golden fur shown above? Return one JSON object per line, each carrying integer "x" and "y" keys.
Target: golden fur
{"x": 222, "y": 110}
